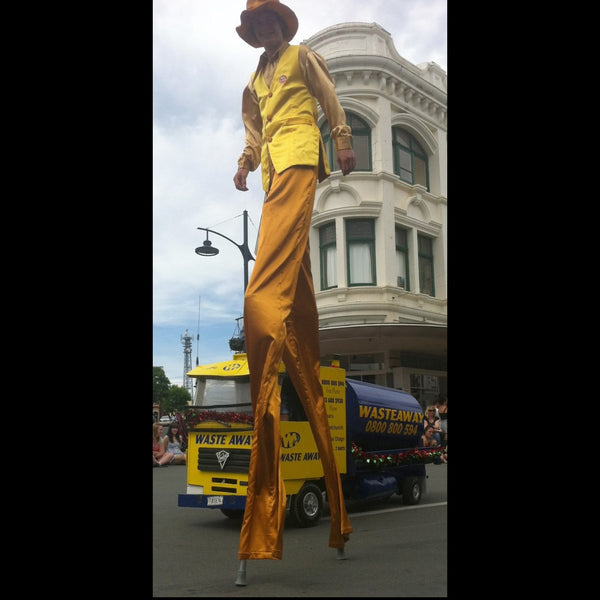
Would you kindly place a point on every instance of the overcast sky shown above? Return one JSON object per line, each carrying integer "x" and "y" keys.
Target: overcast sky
{"x": 200, "y": 67}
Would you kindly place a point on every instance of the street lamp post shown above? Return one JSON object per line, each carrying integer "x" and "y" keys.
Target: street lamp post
{"x": 207, "y": 249}
{"x": 236, "y": 343}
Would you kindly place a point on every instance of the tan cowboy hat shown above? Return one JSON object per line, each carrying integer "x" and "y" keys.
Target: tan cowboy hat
{"x": 253, "y": 6}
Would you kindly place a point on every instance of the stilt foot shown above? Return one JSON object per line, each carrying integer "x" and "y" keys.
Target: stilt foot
{"x": 241, "y": 574}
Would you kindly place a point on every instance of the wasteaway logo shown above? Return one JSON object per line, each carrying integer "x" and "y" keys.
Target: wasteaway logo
{"x": 222, "y": 457}
{"x": 232, "y": 366}
{"x": 290, "y": 439}
{"x": 219, "y": 439}
{"x": 377, "y": 419}
{"x": 389, "y": 414}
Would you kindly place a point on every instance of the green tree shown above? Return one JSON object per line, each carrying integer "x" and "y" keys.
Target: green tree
{"x": 177, "y": 400}
{"x": 160, "y": 388}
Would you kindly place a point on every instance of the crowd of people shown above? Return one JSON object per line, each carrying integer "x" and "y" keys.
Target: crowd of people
{"x": 168, "y": 449}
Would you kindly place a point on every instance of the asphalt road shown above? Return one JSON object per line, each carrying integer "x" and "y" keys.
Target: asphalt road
{"x": 394, "y": 551}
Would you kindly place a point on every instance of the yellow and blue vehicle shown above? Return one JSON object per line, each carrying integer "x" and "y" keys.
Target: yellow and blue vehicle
{"x": 375, "y": 433}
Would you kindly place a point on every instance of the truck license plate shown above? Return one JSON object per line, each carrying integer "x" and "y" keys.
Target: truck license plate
{"x": 214, "y": 501}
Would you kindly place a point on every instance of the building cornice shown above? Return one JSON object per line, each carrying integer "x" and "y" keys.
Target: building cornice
{"x": 361, "y": 58}
{"x": 354, "y": 80}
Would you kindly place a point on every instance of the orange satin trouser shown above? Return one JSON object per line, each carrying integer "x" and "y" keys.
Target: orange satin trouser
{"x": 281, "y": 322}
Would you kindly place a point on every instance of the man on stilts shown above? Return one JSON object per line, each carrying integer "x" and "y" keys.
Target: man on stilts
{"x": 279, "y": 110}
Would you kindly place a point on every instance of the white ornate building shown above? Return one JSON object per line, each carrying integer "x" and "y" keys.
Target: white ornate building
{"x": 379, "y": 235}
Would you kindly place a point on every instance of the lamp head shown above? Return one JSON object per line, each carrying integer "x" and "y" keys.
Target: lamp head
{"x": 207, "y": 249}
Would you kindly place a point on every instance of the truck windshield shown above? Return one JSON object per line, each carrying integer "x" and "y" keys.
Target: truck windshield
{"x": 226, "y": 391}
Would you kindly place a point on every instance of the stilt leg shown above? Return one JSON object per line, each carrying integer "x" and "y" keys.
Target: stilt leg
{"x": 341, "y": 554}
{"x": 241, "y": 574}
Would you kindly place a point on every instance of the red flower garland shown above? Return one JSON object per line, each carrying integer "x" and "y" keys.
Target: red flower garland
{"x": 411, "y": 456}
{"x": 193, "y": 417}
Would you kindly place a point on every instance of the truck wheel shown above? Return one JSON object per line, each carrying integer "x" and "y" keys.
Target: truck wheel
{"x": 306, "y": 507}
{"x": 232, "y": 513}
{"x": 411, "y": 491}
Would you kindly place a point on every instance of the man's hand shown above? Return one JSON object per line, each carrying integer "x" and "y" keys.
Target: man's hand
{"x": 239, "y": 179}
{"x": 346, "y": 161}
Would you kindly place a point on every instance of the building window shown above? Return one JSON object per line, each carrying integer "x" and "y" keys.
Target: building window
{"x": 328, "y": 254}
{"x": 361, "y": 143}
{"x": 358, "y": 366}
{"x": 427, "y": 387}
{"x": 360, "y": 240}
{"x": 426, "y": 265}
{"x": 410, "y": 160}
{"x": 402, "y": 258}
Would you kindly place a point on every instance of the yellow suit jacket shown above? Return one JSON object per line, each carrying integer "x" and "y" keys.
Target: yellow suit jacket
{"x": 289, "y": 114}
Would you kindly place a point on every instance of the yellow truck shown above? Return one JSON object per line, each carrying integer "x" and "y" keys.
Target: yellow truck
{"x": 375, "y": 432}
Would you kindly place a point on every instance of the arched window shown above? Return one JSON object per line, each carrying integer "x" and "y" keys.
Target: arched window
{"x": 410, "y": 160}
{"x": 361, "y": 143}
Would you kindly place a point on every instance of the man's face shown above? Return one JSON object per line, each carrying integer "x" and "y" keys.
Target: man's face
{"x": 267, "y": 28}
